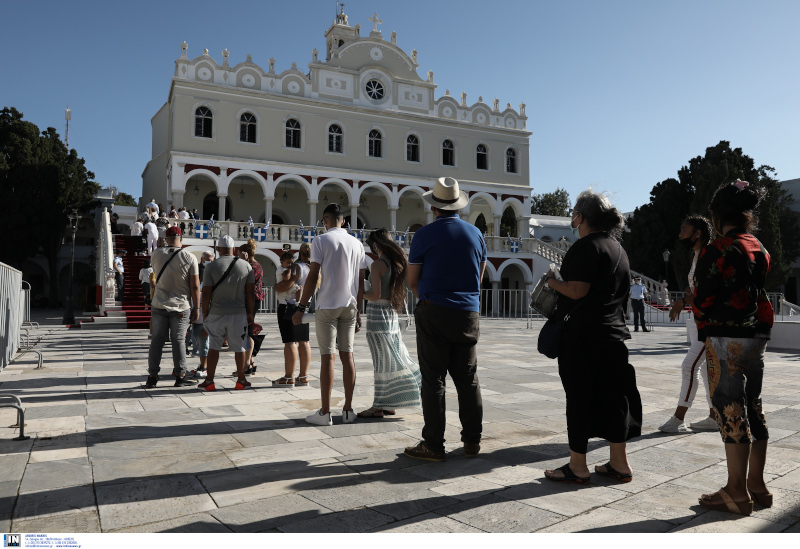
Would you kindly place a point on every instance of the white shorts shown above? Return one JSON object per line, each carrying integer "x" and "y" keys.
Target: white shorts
{"x": 234, "y": 327}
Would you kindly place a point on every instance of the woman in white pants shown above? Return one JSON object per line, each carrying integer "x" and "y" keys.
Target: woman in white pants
{"x": 695, "y": 233}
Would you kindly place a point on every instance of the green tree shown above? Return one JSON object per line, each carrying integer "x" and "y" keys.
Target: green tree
{"x": 124, "y": 199}
{"x": 554, "y": 203}
{"x": 508, "y": 223}
{"x": 42, "y": 182}
{"x": 654, "y": 226}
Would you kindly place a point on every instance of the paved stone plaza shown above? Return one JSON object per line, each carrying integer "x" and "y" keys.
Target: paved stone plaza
{"x": 107, "y": 455}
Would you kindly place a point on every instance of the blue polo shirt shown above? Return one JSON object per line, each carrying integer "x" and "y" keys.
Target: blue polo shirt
{"x": 450, "y": 252}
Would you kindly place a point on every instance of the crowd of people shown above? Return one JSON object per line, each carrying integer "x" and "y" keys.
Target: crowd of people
{"x": 728, "y": 328}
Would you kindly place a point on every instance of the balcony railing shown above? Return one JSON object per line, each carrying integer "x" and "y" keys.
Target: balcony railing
{"x": 291, "y": 234}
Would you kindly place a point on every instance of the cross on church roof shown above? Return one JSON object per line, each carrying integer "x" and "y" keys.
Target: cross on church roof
{"x": 375, "y": 21}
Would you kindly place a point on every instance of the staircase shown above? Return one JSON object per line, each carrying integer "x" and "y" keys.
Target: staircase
{"x": 137, "y": 315}
{"x": 130, "y": 311}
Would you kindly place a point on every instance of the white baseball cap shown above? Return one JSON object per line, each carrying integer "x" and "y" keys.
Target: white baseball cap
{"x": 226, "y": 242}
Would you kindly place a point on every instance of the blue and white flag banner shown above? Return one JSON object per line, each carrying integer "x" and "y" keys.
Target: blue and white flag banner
{"x": 260, "y": 234}
{"x": 201, "y": 231}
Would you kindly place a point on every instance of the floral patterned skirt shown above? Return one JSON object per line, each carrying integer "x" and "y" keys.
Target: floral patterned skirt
{"x": 735, "y": 375}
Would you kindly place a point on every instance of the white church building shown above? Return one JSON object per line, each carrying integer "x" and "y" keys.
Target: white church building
{"x": 358, "y": 127}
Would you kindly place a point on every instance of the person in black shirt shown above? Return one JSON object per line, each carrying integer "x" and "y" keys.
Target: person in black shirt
{"x": 600, "y": 384}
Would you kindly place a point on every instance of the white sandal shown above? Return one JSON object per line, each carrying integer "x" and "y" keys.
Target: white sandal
{"x": 298, "y": 383}
{"x": 283, "y": 382}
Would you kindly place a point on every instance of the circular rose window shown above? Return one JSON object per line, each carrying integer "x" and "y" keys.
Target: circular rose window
{"x": 374, "y": 90}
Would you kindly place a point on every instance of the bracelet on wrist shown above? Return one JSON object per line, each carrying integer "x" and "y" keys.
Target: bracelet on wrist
{"x": 302, "y": 308}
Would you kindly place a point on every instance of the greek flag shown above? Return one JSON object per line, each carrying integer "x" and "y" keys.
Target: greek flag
{"x": 201, "y": 231}
{"x": 260, "y": 234}
{"x": 514, "y": 246}
{"x": 308, "y": 236}
{"x": 211, "y": 221}
{"x": 250, "y": 222}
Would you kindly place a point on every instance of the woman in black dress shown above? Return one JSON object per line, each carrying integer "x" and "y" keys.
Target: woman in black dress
{"x": 600, "y": 385}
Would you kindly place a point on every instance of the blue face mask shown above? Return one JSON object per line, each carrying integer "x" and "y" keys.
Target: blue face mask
{"x": 575, "y": 230}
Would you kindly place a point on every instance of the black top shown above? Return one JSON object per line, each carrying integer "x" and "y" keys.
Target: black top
{"x": 592, "y": 259}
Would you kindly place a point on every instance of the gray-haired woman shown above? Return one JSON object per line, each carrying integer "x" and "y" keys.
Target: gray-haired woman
{"x": 600, "y": 384}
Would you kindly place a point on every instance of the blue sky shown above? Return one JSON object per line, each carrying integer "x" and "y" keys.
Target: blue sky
{"x": 619, "y": 94}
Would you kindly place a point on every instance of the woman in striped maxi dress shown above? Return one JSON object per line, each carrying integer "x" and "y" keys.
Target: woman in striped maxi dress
{"x": 397, "y": 376}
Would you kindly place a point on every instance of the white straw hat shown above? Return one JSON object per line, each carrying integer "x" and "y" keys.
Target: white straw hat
{"x": 446, "y": 195}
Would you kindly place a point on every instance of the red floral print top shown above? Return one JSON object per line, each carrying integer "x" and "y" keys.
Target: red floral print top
{"x": 258, "y": 273}
{"x": 729, "y": 299}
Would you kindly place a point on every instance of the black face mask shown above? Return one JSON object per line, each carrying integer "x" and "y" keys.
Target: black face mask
{"x": 686, "y": 243}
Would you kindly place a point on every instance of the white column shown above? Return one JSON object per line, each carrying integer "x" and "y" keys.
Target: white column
{"x": 524, "y": 229}
{"x": 354, "y": 216}
{"x": 497, "y": 225}
{"x": 393, "y": 218}
{"x": 312, "y": 213}
{"x": 221, "y": 210}
{"x": 495, "y": 297}
{"x": 177, "y": 199}
{"x": 268, "y": 209}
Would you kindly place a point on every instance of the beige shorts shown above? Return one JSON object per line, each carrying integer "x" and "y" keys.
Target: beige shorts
{"x": 335, "y": 325}
{"x": 234, "y": 327}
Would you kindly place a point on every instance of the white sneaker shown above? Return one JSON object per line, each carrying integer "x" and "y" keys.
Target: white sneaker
{"x": 674, "y": 425}
{"x": 707, "y": 424}
{"x": 318, "y": 418}
{"x": 348, "y": 416}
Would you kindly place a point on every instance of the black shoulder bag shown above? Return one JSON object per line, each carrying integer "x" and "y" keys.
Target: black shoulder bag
{"x": 165, "y": 266}
{"x": 550, "y": 335}
{"x": 225, "y": 274}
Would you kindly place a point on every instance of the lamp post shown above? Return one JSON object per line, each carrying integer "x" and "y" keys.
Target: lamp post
{"x": 666, "y": 255}
{"x": 215, "y": 230}
{"x": 69, "y": 315}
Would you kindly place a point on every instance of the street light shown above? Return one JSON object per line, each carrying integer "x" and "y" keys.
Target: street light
{"x": 666, "y": 255}
{"x": 215, "y": 230}
{"x": 69, "y": 315}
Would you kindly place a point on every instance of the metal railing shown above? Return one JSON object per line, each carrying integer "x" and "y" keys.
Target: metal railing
{"x": 26, "y": 306}
{"x": 17, "y": 405}
{"x": 11, "y": 314}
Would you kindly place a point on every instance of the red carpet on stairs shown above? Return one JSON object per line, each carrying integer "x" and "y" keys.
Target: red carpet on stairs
{"x": 138, "y": 315}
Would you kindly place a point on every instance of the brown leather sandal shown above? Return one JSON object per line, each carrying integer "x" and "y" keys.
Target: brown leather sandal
{"x": 727, "y": 505}
{"x": 764, "y": 499}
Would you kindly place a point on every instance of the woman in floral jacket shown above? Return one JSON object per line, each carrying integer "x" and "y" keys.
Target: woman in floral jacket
{"x": 734, "y": 318}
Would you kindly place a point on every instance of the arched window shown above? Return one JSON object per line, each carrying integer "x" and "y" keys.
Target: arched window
{"x": 412, "y": 148}
{"x": 247, "y": 128}
{"x": 292, "y": 134}
{"x": 375, "y": 144}
{"x": 511, "y": 161}
{"x": 203, "y": 120}
{"x": 481, "y": 157}
{"x": 448, "y": 153}
{"x": 335, "y": 138}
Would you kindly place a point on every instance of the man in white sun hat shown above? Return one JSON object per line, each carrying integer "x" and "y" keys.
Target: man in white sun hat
{"x": 446, "y": 265}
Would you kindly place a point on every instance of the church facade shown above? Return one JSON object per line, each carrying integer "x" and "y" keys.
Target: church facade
{"x": 358, "y": 127}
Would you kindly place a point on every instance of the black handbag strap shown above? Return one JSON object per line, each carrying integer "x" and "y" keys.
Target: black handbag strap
{"x": 165, "y": 265}
{"x": 225, "y": 274}
{"x": 587, "y": 296}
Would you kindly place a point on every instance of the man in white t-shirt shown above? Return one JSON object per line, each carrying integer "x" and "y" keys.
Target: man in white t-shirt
{"x": 152, "y": 236}
{"x": 153, "y": 207}
{"x": 183, "y": 214}
{"x": 341, "y": 260}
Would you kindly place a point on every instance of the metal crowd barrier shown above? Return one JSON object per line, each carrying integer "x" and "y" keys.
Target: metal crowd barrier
{"x": 11, "y": 314}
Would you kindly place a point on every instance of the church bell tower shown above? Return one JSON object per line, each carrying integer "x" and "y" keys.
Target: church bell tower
{"x": 339, "y": 33}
